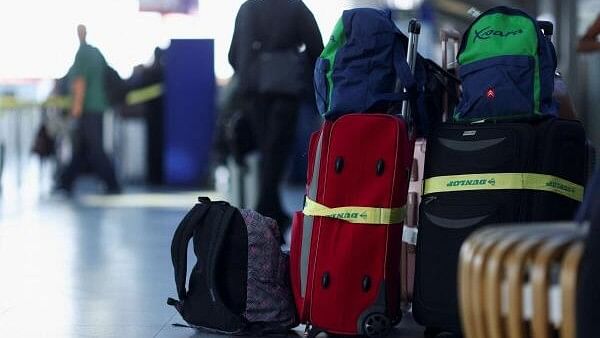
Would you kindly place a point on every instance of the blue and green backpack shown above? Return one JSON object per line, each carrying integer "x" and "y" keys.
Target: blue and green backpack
{"x": 507, "y": 68}
{"x": 359, "y": 67}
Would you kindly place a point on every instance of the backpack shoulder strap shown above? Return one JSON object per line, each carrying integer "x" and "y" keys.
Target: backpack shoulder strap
{"x": 404, "y": 76}
{"x": 403, "y": 72}
{"x": 216, "y": 244}
{"x": 179, "y": 244}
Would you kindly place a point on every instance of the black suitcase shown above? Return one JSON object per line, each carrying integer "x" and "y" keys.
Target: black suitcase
{"x": 561, "y": 151}
{"x": 483, "y": 174}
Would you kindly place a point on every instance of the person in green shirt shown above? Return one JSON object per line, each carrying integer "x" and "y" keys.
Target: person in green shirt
{"x": 89, "y": 101}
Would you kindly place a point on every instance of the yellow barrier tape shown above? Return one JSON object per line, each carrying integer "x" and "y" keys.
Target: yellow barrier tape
{"x": 354, "y": 214}
{"x": 133, "y": 97}
{"x": 144, "y": 94}
{"x": 10, "y": 102}
{"x": 59, "y": 102}
{"x": 501, "y": 181}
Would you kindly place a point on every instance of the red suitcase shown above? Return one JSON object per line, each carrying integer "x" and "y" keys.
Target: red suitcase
{"x": 345, "y": 267}
{"x": 346, "y": 243}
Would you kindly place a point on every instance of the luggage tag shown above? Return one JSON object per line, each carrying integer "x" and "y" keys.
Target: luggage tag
{"x": 409, "y": 235}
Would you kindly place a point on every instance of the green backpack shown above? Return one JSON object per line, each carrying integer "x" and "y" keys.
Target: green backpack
{"x": 358, "y": 69}
{"x": 507, "y": 67}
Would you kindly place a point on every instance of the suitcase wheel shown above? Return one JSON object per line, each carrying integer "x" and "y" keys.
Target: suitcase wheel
{"x": 377, "y": 325}
{"x": 397, "y": 320}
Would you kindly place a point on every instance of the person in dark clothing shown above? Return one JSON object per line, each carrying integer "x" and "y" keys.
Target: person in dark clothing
{"x": 86, "y": 78}
{"x": 271, "y": 26}
{"x": 154, "y": 121}
{"x": 588, "y": 288}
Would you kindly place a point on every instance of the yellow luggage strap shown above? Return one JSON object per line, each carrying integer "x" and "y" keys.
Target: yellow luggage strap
{"x": 353, "y": 214}
{"x": 499, "y": 181}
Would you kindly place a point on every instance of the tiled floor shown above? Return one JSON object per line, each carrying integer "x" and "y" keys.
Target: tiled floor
{"x": 95, "y": 267}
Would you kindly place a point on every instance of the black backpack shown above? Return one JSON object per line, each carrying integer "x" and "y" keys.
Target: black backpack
{"x": 44, "y": 144}
{"x": 114, "y": 86}
{"x": 240, "y": 281}
{"x": 431, "y": 102}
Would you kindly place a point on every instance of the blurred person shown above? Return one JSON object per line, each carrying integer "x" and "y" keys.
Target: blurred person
{"x": 152, "y": 111}
{"x": 589, "y": 41}
{"x": 228, "y": 106}
{"x": 273, "y": 26}
{"x": 89, "y": 101}
{"x": 154, "y": 120}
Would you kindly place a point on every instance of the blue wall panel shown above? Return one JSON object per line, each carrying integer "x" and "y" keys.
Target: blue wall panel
{"x": 189, "y": 110}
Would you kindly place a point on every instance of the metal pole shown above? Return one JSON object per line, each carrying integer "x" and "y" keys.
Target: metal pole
{"x": 566, "y": 38}
{"x": 2, "y": 149}
{"x": 19, "y": 147}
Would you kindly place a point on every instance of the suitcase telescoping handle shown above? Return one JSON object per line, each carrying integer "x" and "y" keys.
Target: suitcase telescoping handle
{"x": 447, "y": 35}
{"x": 414, "y": 29}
